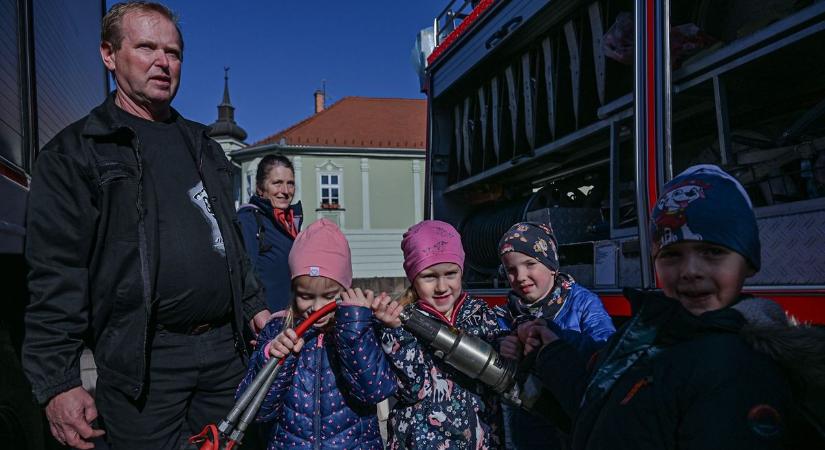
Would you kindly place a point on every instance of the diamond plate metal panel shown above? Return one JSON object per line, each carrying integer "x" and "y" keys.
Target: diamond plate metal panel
{"x": 793, "y": 250}
{"x": 630, "y": 271}
{"x": 582, "y": 273}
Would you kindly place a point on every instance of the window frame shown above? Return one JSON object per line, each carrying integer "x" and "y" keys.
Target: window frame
{"x": 329, "y": 185}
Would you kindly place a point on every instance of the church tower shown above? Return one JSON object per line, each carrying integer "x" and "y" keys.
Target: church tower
{"x": 228, "y": 133}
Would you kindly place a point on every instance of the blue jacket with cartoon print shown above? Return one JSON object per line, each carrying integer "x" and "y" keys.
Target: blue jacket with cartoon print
{"x": 439, "y": 407}
{"x": 325, "y": 397}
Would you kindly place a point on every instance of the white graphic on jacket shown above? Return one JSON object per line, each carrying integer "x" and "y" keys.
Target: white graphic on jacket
{"x": 199, "y": 196}
{"x": 443, "y": 386}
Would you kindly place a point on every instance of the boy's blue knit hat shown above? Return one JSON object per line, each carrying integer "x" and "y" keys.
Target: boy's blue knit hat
{"x": 704, "y": 203}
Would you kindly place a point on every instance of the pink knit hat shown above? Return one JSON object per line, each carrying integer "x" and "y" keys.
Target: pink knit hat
{"x": 321, "y": 250}
{"x": 429, "y": 243}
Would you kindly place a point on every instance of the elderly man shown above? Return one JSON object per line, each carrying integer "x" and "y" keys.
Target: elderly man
{"x": 134, "y": 252}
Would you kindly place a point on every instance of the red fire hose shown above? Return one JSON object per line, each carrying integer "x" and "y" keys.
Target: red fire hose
{"x": 232, "y": 428}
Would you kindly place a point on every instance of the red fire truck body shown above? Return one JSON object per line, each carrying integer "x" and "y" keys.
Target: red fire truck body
{"x": 577, "y": 112}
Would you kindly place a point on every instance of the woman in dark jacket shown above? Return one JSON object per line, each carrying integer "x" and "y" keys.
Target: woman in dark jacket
{"x": 700, "y": 365}
{"x": 269, "y": 223}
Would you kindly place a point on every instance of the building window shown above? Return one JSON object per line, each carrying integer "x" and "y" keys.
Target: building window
{"x": 330, "y": 182}
{"x": 330, "y": 190}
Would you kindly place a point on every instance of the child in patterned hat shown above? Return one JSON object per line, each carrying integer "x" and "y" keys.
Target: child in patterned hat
{"x": 529, "y": 257}
{"x": 334, "y": 376}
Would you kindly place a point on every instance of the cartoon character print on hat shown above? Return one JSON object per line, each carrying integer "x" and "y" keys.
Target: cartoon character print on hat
{"x": 671, "y": 222}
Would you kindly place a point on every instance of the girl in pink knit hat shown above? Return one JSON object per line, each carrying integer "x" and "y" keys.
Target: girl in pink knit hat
{"x": 334, "y": 376}
{"x": 437, "y": 407}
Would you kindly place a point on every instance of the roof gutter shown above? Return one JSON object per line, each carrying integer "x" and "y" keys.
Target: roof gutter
{"x": 249, "y": 153}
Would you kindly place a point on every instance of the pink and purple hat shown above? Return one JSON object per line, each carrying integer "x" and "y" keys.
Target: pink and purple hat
{"x": 428, "y": 243}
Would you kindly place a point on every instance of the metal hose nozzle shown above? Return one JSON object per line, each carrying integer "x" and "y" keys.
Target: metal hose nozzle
{"x": 470, "y": 355}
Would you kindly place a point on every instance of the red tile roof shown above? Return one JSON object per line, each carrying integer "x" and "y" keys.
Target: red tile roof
{"x": 361, "y": 122}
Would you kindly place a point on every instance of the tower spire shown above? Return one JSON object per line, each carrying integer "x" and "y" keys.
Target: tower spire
{"x": 225, "y": 126}
{"x": 226, "y": 87}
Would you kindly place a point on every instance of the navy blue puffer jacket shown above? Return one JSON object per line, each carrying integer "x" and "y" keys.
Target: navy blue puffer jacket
{"x": 268, "y": 246}
{"x": 325, "y": 397}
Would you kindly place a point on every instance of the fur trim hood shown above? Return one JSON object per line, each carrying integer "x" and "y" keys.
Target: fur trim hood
{"x": 797, "y": 347}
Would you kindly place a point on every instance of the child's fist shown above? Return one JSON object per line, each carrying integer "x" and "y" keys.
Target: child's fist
{"x": 355, "y": 297}
{"x": 387, "y": 310}
{"x": 285, "y": 343}
{"x": 535, "y": 335}
{"x": 510, "y": 347}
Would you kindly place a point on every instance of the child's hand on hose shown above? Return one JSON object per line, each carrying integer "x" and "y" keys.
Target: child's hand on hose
{"x": 355, "y": 297}
{"x": 285, "y": 343}
{"x": 535, "y": 335}
{"x": 387, "y": 310}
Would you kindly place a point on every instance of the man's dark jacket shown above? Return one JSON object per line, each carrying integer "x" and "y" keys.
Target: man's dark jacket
{"x": 93, "y": 256}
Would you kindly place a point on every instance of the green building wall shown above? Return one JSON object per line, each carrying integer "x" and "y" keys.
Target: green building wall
{"x": 391, "y": 193}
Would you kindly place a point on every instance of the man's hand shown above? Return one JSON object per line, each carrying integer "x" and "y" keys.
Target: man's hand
{"x": 257, "y": 323}
{"x": 510, "y": 347}
{"x": 387, "y": 310}
{"x": 70, "y": 415}
{"x": 535, "y": 335}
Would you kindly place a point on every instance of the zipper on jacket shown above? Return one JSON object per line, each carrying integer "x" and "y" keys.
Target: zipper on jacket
{"x": 566, "y": 301}
{"x": 637, "y": 386}
{"x": 596, "y": 378}
{"x": 316, "y": 419}
{"x": 142, "y": 251}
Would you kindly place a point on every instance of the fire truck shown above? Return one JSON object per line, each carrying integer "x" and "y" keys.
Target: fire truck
{"x": 576, "y": 112}
{"x": 50, "y": 76}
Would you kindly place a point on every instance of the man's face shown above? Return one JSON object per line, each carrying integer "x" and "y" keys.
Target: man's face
{"x": 147, "y": 65}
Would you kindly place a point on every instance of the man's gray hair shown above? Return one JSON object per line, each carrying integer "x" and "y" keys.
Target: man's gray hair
{"x": 112, "y": 31}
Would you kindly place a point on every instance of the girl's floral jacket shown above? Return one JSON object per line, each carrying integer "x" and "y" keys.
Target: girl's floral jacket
{"x": 438, "y": 407}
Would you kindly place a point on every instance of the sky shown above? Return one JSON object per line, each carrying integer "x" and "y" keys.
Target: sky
{"x": 280, "y": 51}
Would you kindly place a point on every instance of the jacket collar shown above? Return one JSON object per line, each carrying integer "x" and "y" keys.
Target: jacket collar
{"x": 456, "y": 315}
{"x": 103, "y": 120}
{"x": 266, "y": 208}
{"x": 656, "y": 306}
{"x": 261, "y": 203}
{"x": 522, "y": 311}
